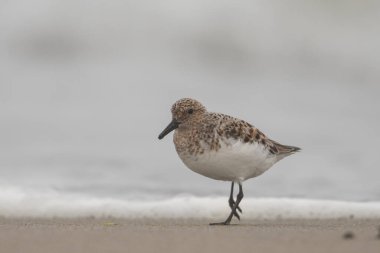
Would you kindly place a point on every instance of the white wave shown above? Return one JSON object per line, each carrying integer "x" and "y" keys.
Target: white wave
{"x": 16, "y": 202}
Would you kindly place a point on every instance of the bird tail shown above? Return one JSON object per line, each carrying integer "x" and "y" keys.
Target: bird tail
{"x": 286, "y": 150}
{"x": 292, "y": 149}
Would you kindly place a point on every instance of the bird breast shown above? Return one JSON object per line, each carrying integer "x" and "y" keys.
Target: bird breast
{"x": 232, "y": 161}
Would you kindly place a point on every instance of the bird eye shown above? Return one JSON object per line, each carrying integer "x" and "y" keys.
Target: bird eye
{"x": 190, "y": 111}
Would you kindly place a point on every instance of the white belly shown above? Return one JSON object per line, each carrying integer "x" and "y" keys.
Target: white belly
{"x": 236, "y": 162}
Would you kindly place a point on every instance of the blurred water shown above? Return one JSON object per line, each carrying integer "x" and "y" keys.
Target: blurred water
{"x": 86, "y": 87}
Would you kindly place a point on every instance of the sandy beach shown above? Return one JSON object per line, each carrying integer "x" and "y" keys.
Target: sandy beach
{"x": 187, "y": 235}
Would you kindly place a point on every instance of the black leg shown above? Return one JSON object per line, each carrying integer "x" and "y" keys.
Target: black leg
{"x": 231, "y": 201}
{"x": 239, "y": 197}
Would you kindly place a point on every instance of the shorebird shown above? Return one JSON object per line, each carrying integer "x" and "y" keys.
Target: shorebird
{"x": 222, "y": 147}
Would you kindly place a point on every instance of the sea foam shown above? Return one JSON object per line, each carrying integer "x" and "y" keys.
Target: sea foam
{"x": 15, "y": 202}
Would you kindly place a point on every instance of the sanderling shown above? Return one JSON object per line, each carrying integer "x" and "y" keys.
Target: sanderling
{"x": 221, "y": 147}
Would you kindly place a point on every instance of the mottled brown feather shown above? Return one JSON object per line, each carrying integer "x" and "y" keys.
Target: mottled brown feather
{"x": 204, "y": 130}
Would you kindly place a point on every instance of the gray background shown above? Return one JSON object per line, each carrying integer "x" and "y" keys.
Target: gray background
{"x": 86, "y": 87}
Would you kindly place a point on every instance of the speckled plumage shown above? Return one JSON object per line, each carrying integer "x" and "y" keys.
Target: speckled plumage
{"x": 202, "y": 135}
{"x": 220, "y": 146}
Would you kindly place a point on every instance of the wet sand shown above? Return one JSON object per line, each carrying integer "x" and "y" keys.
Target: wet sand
{"x": 187, "y": 235}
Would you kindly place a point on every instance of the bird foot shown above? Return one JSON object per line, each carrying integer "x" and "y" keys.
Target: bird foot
{"x": 220, "y": 223}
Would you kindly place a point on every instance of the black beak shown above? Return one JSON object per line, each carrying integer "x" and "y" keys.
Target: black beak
{"x": 172, "y": 125}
